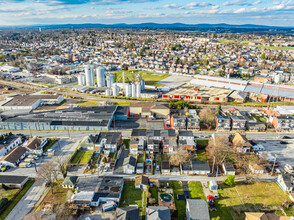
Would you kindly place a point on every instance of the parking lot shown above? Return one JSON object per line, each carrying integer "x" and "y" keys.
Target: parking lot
{"x": 284, "y": 152}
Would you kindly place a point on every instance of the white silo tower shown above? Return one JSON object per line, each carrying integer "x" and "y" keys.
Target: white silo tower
{"x": 128, "y": 90}
{"x": 138, "y": 90}
{"x": 89, "y": 75}
{"x": 133, "y": 90}
{"x": 81, "y": 80}
{"x": 100, "y": 75}
{"x": 142, "y": 84}
{"x": 109, "y": 80}
{"x": 108, "y": 92}
{"x": 115, "y": 90}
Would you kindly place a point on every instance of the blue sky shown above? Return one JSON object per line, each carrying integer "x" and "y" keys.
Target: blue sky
{"x": 266, "y": 12}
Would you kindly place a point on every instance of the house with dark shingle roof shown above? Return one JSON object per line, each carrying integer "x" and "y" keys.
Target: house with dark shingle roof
{"x": 127, "y": 213}
{"x": 195, "y": 167}
{"x": 158, "y": 213}
{"x": 13, "y": 181}
{"x": 69, "y": 182}
{"x": 13, "y": 158}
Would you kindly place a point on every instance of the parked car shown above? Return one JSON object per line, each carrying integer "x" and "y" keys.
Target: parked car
{"x": 286, "y": 137}
{"x": 283, "y": 142}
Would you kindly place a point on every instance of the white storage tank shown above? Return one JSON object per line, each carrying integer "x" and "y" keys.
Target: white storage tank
{"x": 110, "y": 80}
{"x": 115, "y": 90}
{"x": 142, "y": 84}
{"x": 133, "y": 90}
{"x": 89, "y": 75}
{"x": 81, "y": 80}
{"x": 138, "y": 90}
{"x": 128, "y": 90}
{"x": 100, "y": 76}
{"x": 108, "y": 92}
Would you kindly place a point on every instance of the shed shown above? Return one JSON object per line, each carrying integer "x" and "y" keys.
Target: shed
{"x": 213, "y": 185}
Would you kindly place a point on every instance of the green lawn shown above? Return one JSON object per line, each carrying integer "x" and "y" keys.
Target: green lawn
{"x": 151, "y": 78}
{"x": 86, "y": 157}
{"x": 141, "y": 158}
{"x": 201, "y": 155}
{"x": 131, "y": 195}
{"x": 201, "y": 144}
{"x": 144, "y": 204}
{"x": 196, "y": 190}
{"x": 14, "y": 202}
{"x": 50, "y": 143}
{"x": 77, "y": 157}
{"x": 9, "y": 193}
{"x": 180, "y": 204}
{"x": 257, "y": 197}
{"x": 122, "y": 103}
{"x": 113, "y": 155}
{"x": 126, "y": 142}
{"x": 154, "y": 193}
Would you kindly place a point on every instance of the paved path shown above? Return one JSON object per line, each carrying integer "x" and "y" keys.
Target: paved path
{"x": 26, "y": 204}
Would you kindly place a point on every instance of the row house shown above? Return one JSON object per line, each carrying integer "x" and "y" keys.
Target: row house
{"x": 185, "y": 122}
{"x": 283, "y": 123}
{"x": 223, "y": 123}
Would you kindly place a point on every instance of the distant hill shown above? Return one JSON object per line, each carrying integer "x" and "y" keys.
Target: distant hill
{"x": 151, "y": 25}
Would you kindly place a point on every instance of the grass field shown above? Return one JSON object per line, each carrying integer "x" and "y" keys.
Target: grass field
{"x": 86, "y": 103}
{"x": 126, "y": 142}
{"x": 141, "y": 158}
{"x": 151, "y": 78}
{"x": 86, "y": 157}
{"x": 196, "y": 190}
{"x": 257, "y": 197}
{"x": 259, "y": 118}
{"x": 180, "y": 204}
{"x": 247, "y": 42}
{"x": 14, "y": 202}
{"x": 122, "y": 103}
{"x": 77, "y": 157}
{"x": 131, "y": 195}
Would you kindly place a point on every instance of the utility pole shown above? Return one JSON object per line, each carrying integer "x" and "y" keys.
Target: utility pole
{"x": 274, "y": 164}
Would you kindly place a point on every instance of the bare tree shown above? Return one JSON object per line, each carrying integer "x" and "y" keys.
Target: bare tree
{"x": 220, "y": 150}
{"x": 61, "y": 163}
{"x": 180, "y": 157}
{"x": 49, "y": 172}
{"x": 207, "y": 118}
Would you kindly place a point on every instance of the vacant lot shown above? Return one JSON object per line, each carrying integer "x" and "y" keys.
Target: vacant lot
{"x": 151, "y": 78}
{"x": 76, "y": 159}
{"x": 131, "y": 195}
{"x": 257, "y": 197}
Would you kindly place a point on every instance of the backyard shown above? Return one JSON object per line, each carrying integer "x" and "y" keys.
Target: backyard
{"x": 14, "y": 202}
{"x": 131, "y": 195}
{"x": 258, "y": 197}
{"x": 86, "y": 157}
{"x": 196, "y": 190}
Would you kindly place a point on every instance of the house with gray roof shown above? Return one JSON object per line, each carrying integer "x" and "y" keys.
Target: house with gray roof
{"x": 69, "y": 182}
{"x": 157, "y": 213}
{"x": 197, "y": 209}
{"x": 127, "y": 213}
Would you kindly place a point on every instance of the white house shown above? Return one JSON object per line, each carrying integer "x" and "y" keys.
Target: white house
{"x": 228, "y": 169}
{"x": 256, "y": 169}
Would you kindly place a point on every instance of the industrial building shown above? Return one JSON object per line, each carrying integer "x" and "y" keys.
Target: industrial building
{"x": 282, "y": 92}
{"x": 79, "y": 118}
{"x": 30, "y": 102}
{"x": 198, "y": 94}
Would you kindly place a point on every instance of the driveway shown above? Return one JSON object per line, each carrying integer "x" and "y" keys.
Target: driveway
{"x": 186, "y": 189}
{"x": 28, "y": 201}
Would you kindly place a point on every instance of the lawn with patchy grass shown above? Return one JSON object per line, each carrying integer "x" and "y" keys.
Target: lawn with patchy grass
{"x": 86, "y": 103}
{"x": 196, "y": 190}
{"x": 14, "y": 202}
{"x": 122, "y": 103}
{"x": 151, "y": 78}
{"x": 259, "y": 118}
{"x": 201, "y": 155}
{"x": 86, "y": 157}
{"x": 257, "y": 197}
{"x": 154, "y": 193}
{"x": 9, "y": 193}
{"x": 77, "y": 157}
{"x": 130, "y": 195}
{"x": 180, "y": 204}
